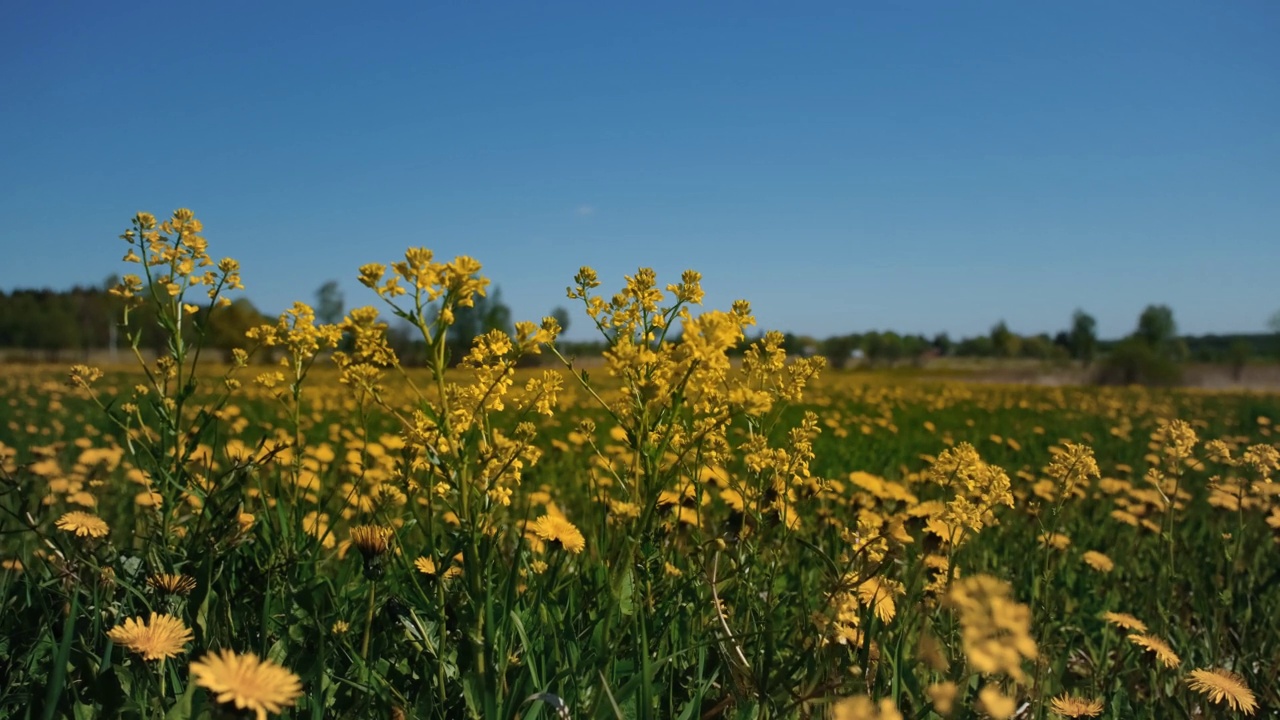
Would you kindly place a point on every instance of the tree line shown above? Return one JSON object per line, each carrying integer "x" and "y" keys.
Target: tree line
{"x": 49, "y": 323}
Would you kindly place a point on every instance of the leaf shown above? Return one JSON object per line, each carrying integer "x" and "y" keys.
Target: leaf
{"x": 626, "y": 593}
{"x": 181, "y": 710}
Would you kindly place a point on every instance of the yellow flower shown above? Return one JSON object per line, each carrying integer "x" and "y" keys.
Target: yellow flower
{"x": 995, "y": 628}
{"x": 862, "y": 707}
{"x": 1070, "y": 706}
{"x": 371, "y": 540}
{"x": 172, "y": 584}
{"x": 996, "y": 704}
{"x": 341, "y": 627}
{"x": 1163, "y": 652}
{"x": 1098, "y": 561}
{"x": 425, "y": 565}
{"x": 943, "y": 696}
{"x": 162, "y": 636}
{"x": 1125, "y": 621}
{"x": 82, "y": 524}
{"x": 247, "y": 682}
{"x": 559, "y": 530}
{"x": 1224, "y": 686}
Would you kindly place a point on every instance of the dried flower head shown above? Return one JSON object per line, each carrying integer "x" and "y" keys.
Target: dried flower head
{"x": 371, "y": 540}
{"x": 172, "y": 583}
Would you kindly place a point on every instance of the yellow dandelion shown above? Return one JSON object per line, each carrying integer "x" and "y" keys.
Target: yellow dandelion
{"x": 371, "y": 540}
{"x": 559, "y": 530}
{"x": 943, "y": 696}
{"x": 1224, "y": 686}
{"x": 247, "y": 682}
{"x": 1070, "y": 706}
{"x": 340, "y": 627}
{"x": 425, "y": 565}
{"x": 1098, "y": 561}
{"x": 172, "y": 584}
{"x": 162, "y": 636}
{"x": 995, "y": 703}
{"x": 862, "y": 707}
{"x": 1163, "y": 652}
{"x": 1125, "y": 621}
{"x": 83, "y": 524}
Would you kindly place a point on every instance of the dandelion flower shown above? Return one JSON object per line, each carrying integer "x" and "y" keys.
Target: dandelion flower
{"x": 1070, "y": 706}
{"x": 82, "y": 524}
{"x": 996, "y": 704}
{"x": 1098, "y": 561}
{"x": 172, "y": 584}
{"x": 862, "y": 707}
{"x": 1125, "y": 621}
{"x": 559, "y": 530}
{"x": 162, "y": 636}
{"x": 371, "y": 540}
{"x": 247, "y": 682}
{"x": 425, "y": 565}
{"x": 943, "y": 696}
{"x": 1163, "y": 652}
{"x": 1224, "y": 686}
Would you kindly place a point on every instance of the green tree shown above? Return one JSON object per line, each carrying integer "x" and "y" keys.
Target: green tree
{"x": 1004, "y": 342}
{"x": 1082, "y": 342}
{"x": 488, "y": 313}
{"x": 1157, "y": 329}
{"x": 562, "y": 316}
{"x": 329, "y": 303}
{"x": 1238, "y": 355}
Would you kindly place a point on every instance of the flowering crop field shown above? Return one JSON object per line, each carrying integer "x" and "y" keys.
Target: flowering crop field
{"x": 683, "y": 532}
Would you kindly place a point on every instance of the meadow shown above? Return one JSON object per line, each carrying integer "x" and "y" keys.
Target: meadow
{"x": 678, "y": 532}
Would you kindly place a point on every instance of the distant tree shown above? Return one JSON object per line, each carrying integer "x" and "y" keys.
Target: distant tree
{"x": 1003, "y": 341}
{"x": 562, "y": 316}
{"x": 488, "y": 313}
{"x": 1157, "y": 328}
{"x": 228, "y": 325}
{"x": 942, "y": 343}
{"x": 1151, "y": 354}
{"x": 838, "y": 349}
{"x": 1083, "y": 339}
{"x": 1039, "y": 347}
{"x": 329, "y": 303}
{"x": 1274, "y": 323}
{"x": 1238, "y": 355}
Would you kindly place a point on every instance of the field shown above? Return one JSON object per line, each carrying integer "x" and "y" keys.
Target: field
{"x": 675, "y": 534}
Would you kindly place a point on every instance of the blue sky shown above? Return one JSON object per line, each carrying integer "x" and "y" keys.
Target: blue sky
{"x": 920, "y": 166}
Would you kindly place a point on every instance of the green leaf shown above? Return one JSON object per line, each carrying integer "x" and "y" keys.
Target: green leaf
{"x": 626, "y": 594}
{"x": 182, "y": 709}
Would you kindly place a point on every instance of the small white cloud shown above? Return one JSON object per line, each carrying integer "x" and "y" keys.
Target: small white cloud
{"x": 585, "y": 210}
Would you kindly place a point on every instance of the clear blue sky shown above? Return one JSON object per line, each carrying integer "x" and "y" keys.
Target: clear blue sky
{"x": 920, "y": 166}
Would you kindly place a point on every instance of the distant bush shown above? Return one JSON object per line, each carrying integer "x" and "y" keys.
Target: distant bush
{"x": 1135, "y": 362}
